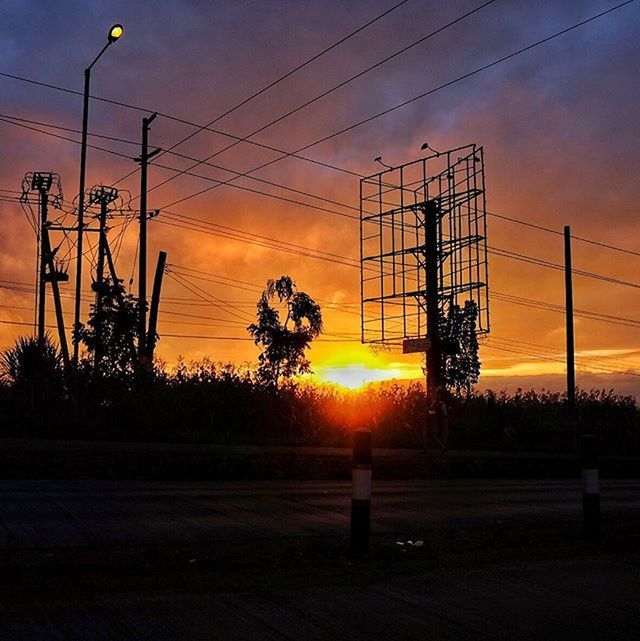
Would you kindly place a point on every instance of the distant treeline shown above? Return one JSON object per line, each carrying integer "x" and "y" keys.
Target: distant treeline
{"x": 214, "y": 403}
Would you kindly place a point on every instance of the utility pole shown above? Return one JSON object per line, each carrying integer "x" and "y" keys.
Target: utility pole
{"x": 99, "y": 284}
{"x": 102, "y": 195}
{"x": 42, "y": 288}
{"x": 114, "y": 279}
{"x": 434, "y": 350}
{"x": 143, "y": 159}
{"x": 153, "y": 311}
{"x": 53, "y": 277}
{"x": 571, "y": 372}
{"x": 42, "y": 182}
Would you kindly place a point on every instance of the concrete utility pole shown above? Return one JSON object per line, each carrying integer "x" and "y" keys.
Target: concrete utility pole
{"x": 41, "y": 182}
{"x": 44, "y": 201}
{"x": 99, "y": 286}
{"x": 143, "y": 159}
{"x": 571, "y": 372}
{"x": 53, "y": 277}
{"x": 434, "y": 351}
{"x": 153, "y": 311}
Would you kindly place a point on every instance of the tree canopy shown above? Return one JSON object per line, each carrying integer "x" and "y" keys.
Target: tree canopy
{"x": 284, "y": 342}
{"x": 461, "y": 364}
{"x": 116, "y": 326}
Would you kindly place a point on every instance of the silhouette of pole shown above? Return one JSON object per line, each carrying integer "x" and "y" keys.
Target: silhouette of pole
{"x": 153, "y": 311}
{"x": 99, "y": 286}
{"x": 115, "y": 32}
{"x": 47, "y": 256}
{"x": 44, "y": 198}
{"x": 434, "y": 352}
{"x": 79, "y": 244}
{"x": 571, "y": 373}
{"x": 142, "y": 267}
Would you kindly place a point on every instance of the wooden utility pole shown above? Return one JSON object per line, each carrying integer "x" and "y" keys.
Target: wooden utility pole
{"x": 153, "y": 312}
{"x": 571, "y": 372}
{"x": 143, "y": 159}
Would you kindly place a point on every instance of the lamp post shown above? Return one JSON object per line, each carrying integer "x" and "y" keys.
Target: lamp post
{"x": 113, "y": 35}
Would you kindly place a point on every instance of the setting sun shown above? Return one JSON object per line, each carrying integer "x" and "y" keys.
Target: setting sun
{"x": 361, "y": 366}
{"x": 356, "y": 376}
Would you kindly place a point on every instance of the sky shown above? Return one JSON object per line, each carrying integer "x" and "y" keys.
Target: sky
{"x": 558, "y": 125}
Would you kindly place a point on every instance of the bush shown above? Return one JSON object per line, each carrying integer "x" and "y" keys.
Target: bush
{"x": 220, "y": 403}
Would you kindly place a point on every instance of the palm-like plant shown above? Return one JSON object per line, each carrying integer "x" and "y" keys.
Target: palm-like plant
{"x": 33, "y": 369}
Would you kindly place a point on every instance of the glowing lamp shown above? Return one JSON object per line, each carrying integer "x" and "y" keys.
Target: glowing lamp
{"x": 115, "y": 33}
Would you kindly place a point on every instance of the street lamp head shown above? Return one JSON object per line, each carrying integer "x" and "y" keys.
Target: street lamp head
{"x": 115, "y": 33}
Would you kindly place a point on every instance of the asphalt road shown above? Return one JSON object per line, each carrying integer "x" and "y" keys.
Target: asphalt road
{"x": 58, "y": 514}
{"x": 499, "y": 560}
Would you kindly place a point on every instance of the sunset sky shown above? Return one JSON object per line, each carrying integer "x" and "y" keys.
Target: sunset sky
{"x": 559, "y": 125}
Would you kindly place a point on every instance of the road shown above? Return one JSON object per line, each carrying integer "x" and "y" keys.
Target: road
{"x": 141, "y": 560}
{"x": 37, "y": 514}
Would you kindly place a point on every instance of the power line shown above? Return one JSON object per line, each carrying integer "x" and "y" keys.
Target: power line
{"x": 420, "y": 96}
{"x": 559, "y": 360}
{"x": 278, "y": 80}
{"x": 173, "y": 118}
{"x": 580, "y": 313}
{"x": 497, "y": 251}
{"x": 353, "y": 262}
{"x": 332, "y": 89}
{"x": 227, "y": 307}
{"x": 581, "y": 356}
{"x": 505, "y": 253}
{"x": 255, "y": 288}
{"x": 316, "y": 196}
{"x": 295, "y": 154}
{"x": 207, "y": 178}
{"x": 504, "y": 297}
{"x": 556, "y": 232}
{"x": 243, "y": 339}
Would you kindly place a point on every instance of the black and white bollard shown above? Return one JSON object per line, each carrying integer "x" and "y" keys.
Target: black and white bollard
{"x": 590, "y": 484}
{"x": 361, "y": 496}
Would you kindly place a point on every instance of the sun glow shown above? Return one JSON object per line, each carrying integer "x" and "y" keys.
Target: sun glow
{"x": 360, "y": 368}
{"x": 356, "y": 376}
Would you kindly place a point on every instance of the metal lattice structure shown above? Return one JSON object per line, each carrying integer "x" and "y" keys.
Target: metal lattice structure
{"x": 444, "y": 193}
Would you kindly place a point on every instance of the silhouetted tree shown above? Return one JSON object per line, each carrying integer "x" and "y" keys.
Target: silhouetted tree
{"x": 33, "y": 368}
{"x": 461, "y": 365}
{"x": 284, "y": 343}
{"x": 118, "y": 319}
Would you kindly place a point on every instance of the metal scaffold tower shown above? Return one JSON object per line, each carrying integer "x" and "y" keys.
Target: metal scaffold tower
{"x": 423, "y": 249}
{"x": 50, "y": 269}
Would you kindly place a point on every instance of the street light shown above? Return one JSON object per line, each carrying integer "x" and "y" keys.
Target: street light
{"x": 114, "y": 34}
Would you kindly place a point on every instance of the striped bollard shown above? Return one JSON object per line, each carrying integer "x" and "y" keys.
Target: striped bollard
{"x": 590, "y": 484}
{"x": 361, "y": 497}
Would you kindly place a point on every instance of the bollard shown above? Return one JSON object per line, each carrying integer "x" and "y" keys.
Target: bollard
{"x": 361, "y": 497}
{"x": 590, "y": 484}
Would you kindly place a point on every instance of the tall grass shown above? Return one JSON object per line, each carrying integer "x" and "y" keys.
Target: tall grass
{"x": 220, "y": 403}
